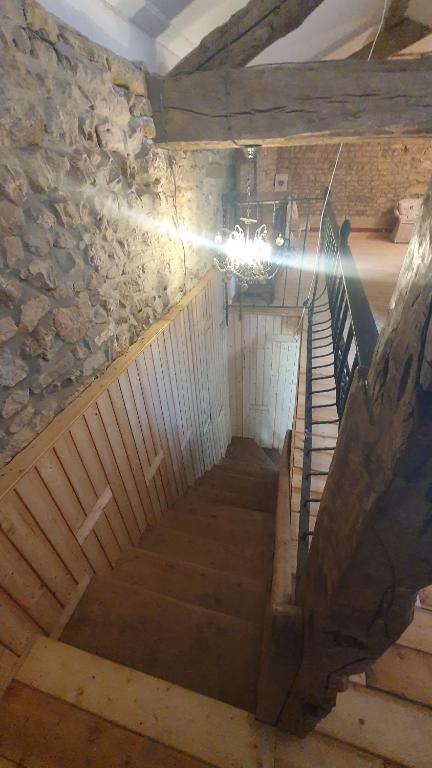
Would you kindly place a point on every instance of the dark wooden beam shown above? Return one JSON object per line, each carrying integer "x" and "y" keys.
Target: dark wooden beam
{"x": 392, "y": 41}
{"x": 248, "y": 32}
{"x": 398, "y": 32}
{"x": 294, "y": 104}
{"x": 371, "y": 551}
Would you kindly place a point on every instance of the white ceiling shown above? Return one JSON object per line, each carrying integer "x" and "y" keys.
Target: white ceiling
{"x": 181, "y": 24}
{"x": 161, "y": 32}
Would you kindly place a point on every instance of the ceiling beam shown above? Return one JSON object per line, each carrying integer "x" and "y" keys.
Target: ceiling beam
{"x": 398, "y": 33}
{"x": 294, "y": 104}
{"x": 248, "y": 32}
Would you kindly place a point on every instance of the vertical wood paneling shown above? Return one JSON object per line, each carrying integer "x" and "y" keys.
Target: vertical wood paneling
{"x": 24, "y": 587}
{"x": 57, "y": 483}
{"x": 126, "y": 472}
{"x": 72, "y": 463}
{"x": 8, "y": 663}
{"x": 116, "y": 397}
{"x": 35, "y": 495}
{"x": 90, "y": 457}
{"x": 106, "y": 455}
{"x": 16, "y": 627}
{"x": 262, "y": 381}
{"x": 24, "y": 533}
{"x": 149, "y": 388}
{"x": 134, "y": 403}
{"x": 103, "y": 471}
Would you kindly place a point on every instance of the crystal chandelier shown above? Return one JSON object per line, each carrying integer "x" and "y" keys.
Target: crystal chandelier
{"x": 241, "y": 255}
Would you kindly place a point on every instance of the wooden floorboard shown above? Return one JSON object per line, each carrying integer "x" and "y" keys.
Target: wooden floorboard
{"x": 39, "y": 731}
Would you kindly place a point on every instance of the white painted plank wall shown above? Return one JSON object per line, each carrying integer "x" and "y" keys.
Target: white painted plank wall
{"x": 263, "y": 360}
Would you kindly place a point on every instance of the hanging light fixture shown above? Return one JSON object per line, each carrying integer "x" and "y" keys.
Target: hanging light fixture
{"x": 243, "y": 255}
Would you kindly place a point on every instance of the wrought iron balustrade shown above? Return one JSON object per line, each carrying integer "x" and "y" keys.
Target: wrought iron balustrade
{"x": 353, "y": 328}
{"x": 341, "y": 339}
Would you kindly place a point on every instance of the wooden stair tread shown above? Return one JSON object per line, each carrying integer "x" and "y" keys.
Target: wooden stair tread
{"x": 231, "y": 531}
{"x": 246, "y": 449}
{"x": 196, "y": 503}
{"x": 419, "y": 633}
{"x": 403, "y": 672}
{"x": 318, "y": 751}
{"x": 214, "y": 493}
{"x": 205, "y": 651}
{"x": 195, "y": 584}
{"x": 251, "y": 562}
{"x": 40, "y": 731}
{"x": 398, "y": 730}
{"x": 248, "y": 469}
{"x": 238, "y": 483}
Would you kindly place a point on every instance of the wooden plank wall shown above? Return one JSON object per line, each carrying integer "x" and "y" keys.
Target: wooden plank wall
{"x": 263, "y": 360}
{"x": 109, "y": 465}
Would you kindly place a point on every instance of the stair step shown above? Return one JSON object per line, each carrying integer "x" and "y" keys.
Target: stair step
{"x": 317, "y": 751}
{"x": 205, "y": 651}
{"x": 256, "y": 522}
{"x": 206, "y": 729}
{"x": 231, "y": 532}
{"x": 426, "y": 598}
{"x": 246, "y": 449}
{"x": 248, "y": 469}
{"x": 274, "y": 456}
{"x": 399, "y": 731}
{"x": 419, "y": 633}
{"x": 40, "y": 730}
{"x": 210, "y": 492}
{"x": 198, "y": 585}
{"x": 404, "y": 672}
{"x": 219, "y": 477}
{"x": 196, "y": 549}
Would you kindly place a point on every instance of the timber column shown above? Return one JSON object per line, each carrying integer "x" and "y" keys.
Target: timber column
{"x": 372, "y": 547}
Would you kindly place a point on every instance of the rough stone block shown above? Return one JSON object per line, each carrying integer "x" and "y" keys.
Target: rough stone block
{"x": 10, "y": 290}
{"x": 17, "y": 400}
{"x": 20, "y": 421}
{"x": 127, "y": 75}
{"x": 8, "y": 329}
{"x": 12, "y": 369}
{"x": 13, "y": 251}
{"x": 11, "y": 218}
{"x": 13, "y": 183}
{"x": 111, "y": 137}
{"x": 39, "y": 20}
{"x": 22, "y": 121}
{"x": 71, "y": 323}
{"x": 13, "y": 10}
{"x": 33, "y": 311}
{"x": 95, "y": 362}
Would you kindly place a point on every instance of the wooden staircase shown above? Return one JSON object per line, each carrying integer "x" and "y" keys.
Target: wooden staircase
{"x": 187, "y": 604}
{"x": 165, "y": 664}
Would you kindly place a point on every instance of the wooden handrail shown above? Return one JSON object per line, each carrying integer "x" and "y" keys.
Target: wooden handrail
{"x": 282, "y": 637}
{"x": 281, "y": 592}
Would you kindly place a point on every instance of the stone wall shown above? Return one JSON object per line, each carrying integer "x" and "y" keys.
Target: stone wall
{"x": 371, "y": 176}
{"x": 92, "y": 247}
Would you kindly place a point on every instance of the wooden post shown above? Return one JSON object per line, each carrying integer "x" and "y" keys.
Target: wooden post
{"x": 372, "y": 547}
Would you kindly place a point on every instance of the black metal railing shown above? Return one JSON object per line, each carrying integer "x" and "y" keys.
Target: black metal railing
{"x": 353, "y": 328}
{"x": 341, "y": 339}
